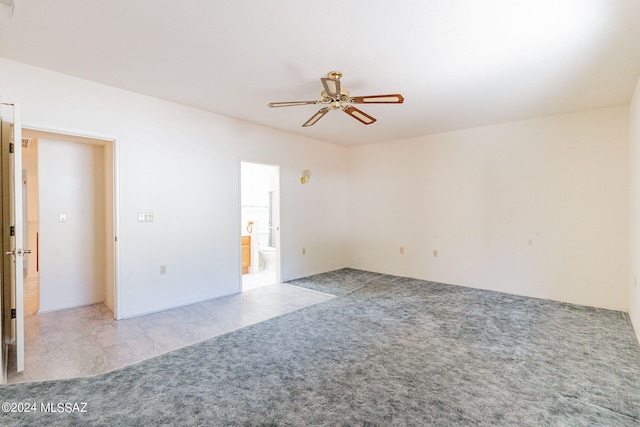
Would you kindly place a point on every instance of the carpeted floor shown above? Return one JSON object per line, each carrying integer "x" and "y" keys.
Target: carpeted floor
{"x": 387, "y": 351}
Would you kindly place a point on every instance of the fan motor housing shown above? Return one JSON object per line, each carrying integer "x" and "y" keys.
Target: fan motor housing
{"x": 336, "y": 102}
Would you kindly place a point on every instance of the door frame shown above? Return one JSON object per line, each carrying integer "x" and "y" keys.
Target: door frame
{"x": 108, "y": 143}
{"x": 13, "y": 291}
{"x": 279, "y": 219}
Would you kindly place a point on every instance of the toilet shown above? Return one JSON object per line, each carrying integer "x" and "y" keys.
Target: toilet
{"x": 268, "y": 258}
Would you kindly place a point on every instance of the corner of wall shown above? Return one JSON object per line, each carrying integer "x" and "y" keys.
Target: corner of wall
{"x": 634, "y": 205}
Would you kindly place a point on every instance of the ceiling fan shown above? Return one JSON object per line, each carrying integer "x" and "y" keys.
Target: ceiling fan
{"x": 338, "y": 98}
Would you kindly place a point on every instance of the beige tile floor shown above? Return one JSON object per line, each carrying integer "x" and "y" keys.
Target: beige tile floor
{"x": 87, "y": 341}
{"x": 253, "y": 281}
{"x": 31, "y": 296}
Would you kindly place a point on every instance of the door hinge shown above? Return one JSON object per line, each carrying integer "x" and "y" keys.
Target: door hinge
{"x": 12, "y": 230}
{"x": 13, "y": 313}
{"x": 11, "y": 147}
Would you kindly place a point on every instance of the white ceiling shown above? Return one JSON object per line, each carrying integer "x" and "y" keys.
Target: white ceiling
{"x": 458, "y": 63}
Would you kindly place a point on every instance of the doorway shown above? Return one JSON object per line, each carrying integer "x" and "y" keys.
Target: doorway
{"x": 260, "y": 224}
{"x": 25, "y": 218}
{"x": 68, "y": 183}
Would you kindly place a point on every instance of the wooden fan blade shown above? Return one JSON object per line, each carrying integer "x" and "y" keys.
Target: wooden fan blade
{"x": 331, "y": 86}
{"x": 361, "y": 116}
{"x": 395, "y": 98}
{"x": 317, "y": 116}
{"x": 291, "y": 104}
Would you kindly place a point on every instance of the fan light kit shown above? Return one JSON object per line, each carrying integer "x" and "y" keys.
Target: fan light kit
{"x": 338, "y": 98}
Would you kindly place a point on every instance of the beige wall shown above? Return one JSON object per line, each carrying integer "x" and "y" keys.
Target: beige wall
{"x": 634, "y": 247}
{"x": 30, "y": 167}
{"x": 536, "y": 207}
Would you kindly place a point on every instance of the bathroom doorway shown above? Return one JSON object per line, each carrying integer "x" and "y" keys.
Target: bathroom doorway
{"x": 259, "y": 224}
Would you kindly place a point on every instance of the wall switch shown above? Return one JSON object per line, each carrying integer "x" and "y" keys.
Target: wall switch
{"x": 401, "y": 250}
{"x": 145, "y": 216}
{"x": 304, "y": 251}
{"x": 163, "y": 269}
{"x": 435, "y": 253}
{"x": 62, "y": 217}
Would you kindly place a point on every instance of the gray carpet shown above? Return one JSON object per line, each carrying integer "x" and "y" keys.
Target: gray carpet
{"x": 387, "y": 351}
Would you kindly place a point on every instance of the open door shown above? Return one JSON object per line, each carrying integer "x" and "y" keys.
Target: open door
{"x": 12, "y": 233}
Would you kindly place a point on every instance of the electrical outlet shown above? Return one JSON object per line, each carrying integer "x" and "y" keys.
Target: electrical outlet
{"x": 163, "y": 269}
{"x": 401, "y": 250}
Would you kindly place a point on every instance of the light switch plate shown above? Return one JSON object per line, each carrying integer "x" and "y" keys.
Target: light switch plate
{"x": 62, "y": 217}
{"x": 145, "y": 216}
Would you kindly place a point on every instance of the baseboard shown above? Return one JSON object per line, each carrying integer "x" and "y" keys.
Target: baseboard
{"x": 635, "y": 324}
{"x": 109, "y": 306}
{"x": 51, "y": 310}
{"x": 177, "y": 306}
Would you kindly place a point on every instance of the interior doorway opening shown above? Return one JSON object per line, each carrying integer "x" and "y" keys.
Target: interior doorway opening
{"x": 260, "y": 224}
{"x": 55, "y": 201}
{"x": 68, "y": 188}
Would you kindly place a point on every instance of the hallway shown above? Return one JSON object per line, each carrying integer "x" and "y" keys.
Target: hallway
{"x": 88, "y": 341}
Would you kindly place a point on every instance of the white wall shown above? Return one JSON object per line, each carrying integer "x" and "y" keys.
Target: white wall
{"x": 536, "y": 207}
{"x": 478, "y": 196}
{"x": 72, "y": 258}
{"x": 182, "y": 164}
{"x": 634, "y": 246}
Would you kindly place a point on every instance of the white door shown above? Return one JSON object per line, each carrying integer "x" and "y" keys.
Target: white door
{"x": 13, "y": 248}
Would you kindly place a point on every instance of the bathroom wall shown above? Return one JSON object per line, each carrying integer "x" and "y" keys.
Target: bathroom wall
{"x": 257, "y": 181}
